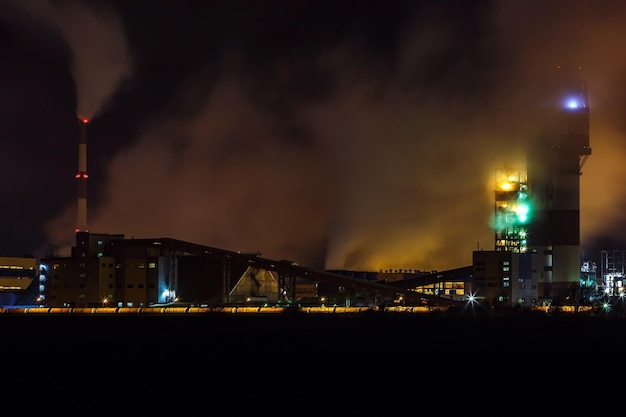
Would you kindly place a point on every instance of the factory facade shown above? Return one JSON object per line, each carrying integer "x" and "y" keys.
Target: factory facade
{"x": 107, "y": 270}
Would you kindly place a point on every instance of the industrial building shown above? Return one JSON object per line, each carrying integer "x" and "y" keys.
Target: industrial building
{"x": 536, "y": 257}
{"x": 105, "y": 271}
{"x": 110, "y": 271}
{"x": 18, "y": 280}
{"x": 612, "y": 271}
{"x": 555, "y": 160}
{"x": 503, "y": 278}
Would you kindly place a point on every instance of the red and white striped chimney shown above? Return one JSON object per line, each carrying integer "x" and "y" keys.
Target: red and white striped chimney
{"x": 82, "y": 176}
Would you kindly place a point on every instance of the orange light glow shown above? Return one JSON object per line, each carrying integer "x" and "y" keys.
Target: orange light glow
{"x": 85, "y": 120}
{"x": 506, "y": 186}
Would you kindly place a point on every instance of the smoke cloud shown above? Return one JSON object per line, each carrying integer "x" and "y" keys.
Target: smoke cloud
{"x": 95, "y": 36}
{"x": 390, "y": 165}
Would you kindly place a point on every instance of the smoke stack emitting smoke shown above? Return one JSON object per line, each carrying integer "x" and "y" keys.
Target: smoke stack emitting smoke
{"x": 100, "y": 61}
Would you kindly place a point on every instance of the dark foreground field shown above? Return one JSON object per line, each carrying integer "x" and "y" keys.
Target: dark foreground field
{"x": 261, "y": 363}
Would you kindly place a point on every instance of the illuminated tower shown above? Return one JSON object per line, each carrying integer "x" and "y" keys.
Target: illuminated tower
{"x": 81, "y": 176}
{"x": 554, "y": 161}
{"x": 511, "y": 214}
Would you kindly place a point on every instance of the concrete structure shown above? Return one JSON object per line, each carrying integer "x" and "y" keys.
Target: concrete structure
{"x": 537, "y": 210}
{"x": 554, "y": 165}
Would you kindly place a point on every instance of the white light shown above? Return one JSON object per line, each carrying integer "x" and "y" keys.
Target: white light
{"x": 471, "y": 298}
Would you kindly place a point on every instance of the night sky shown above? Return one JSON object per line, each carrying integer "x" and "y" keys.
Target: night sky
{"x": 357, "y": 135}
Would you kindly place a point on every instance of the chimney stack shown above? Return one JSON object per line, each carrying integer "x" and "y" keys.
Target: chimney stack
{"x": 82, "y": 176}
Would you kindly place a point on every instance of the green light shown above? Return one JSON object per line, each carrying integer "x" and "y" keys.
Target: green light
{"x": 522, "y": 213}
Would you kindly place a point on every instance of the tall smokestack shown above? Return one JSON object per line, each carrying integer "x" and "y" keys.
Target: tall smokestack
{"x": 81, "y": 175}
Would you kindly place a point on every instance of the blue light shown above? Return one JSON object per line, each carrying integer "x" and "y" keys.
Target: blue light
{"x": 573, "y": 102}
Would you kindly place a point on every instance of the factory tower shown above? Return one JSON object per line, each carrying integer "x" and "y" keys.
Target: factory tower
{"x": 81, "y": 176}
{"x": 555, "y": 159}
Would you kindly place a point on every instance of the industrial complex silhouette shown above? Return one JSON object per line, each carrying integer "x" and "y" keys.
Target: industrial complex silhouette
{"x": 535, "y": 261}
